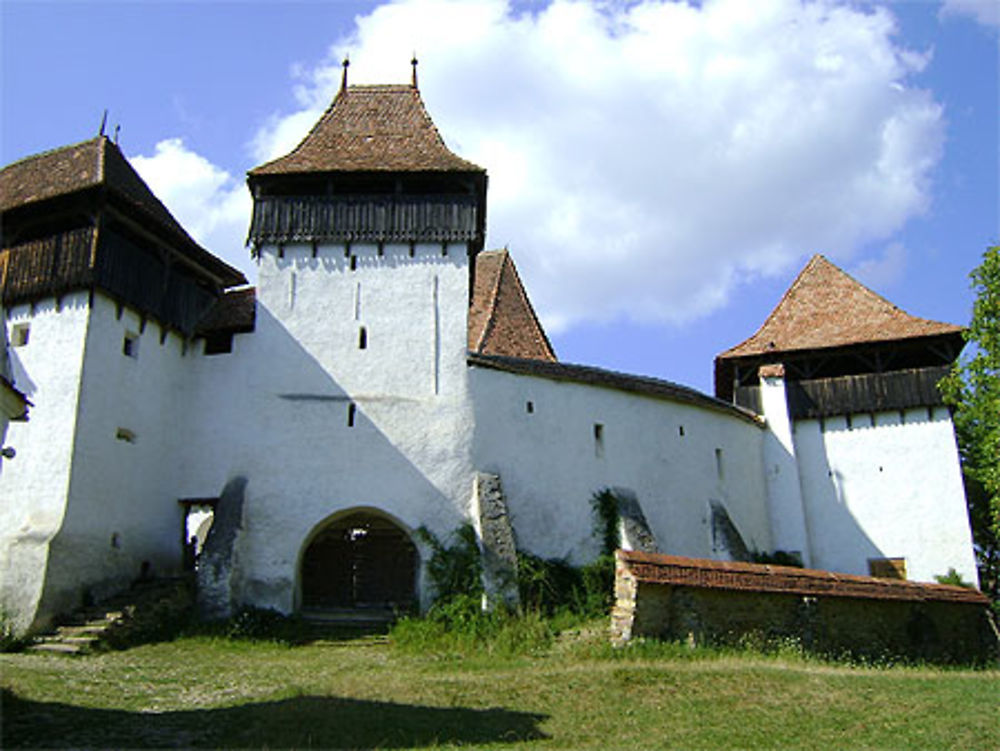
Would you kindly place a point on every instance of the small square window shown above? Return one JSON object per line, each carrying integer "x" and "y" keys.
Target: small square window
{"x": 130, "y": 345}
{"x": 20, "y": 334}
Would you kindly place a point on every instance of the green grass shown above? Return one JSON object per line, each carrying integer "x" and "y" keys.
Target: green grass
{"x": 568, "y": 691}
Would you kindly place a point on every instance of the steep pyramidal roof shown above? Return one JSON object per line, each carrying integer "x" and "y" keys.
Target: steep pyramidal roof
{"x": 383, "y": 128}
{"x": 825, "y": 308}
{"x": 501, "y": 319}
{"x": 94, "y": 164}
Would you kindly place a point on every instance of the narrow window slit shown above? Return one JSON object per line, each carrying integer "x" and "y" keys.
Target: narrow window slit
{"x": 130, "y": 345}
{"x": 363, "y": 338}
{"x": 351, "y": 412}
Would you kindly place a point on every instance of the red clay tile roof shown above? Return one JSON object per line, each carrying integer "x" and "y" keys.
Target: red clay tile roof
{"x": 382, "y": 128}
{"x": 73, "y": 168}
{"x": 501, "y": 319}
{"x": 234, "y": 312}
{"x": 656, "y": 568}
{"x": 93, "y": 164}
{"x": 825, "y": 307}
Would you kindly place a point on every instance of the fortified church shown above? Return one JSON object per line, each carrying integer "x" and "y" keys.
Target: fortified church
{"x": 389, "y": 373}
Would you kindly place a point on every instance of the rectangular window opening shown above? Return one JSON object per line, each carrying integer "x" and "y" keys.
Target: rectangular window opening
{"x": 598, "y": 440}
{"x": 530, "y": 408}
{"x": 719, "y": 470}
{"x": 125, "y": 435}
{"x": 351, "y": 413}
{"x": 20, "y": 334}
{"x": 130, "y": 345}
{"x": 219, "y": 343}
{"x": 363, "y": 338}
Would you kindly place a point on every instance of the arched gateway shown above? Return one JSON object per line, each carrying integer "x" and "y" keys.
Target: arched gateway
{"x": 360, "y": 560}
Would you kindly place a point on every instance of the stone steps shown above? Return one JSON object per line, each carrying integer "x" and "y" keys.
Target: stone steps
{"x": 89, "y": 628}
{"x": 338, "y": 623}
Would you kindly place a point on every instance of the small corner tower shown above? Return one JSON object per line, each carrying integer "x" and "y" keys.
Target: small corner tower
{"x": 860, "y": 458}
{"x": 844, "y": 349}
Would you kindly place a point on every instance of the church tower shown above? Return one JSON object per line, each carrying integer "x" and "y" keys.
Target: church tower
{"x": 366, "y": 233}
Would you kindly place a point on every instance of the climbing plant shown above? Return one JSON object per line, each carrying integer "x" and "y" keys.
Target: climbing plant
{"x": 604, "y": 504}
{"x": 456, "y": 569}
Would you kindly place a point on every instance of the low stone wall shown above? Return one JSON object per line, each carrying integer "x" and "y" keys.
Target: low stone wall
{"x": 713, "y": 602}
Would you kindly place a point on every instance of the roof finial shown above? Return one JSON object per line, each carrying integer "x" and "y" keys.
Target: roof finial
{"x": 413, "y": 62}
{"x": 343, "y": 77}
{"x": 104, "y": 122}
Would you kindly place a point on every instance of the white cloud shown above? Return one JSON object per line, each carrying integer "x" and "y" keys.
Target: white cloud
{"x": 209, "y": 203}
{"x": 885, "y": 271}
{"x": 985, "y": 12}
{"x": 645, "y": 157}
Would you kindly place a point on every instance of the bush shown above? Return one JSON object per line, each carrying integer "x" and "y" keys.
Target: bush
{"x": 548, "y": 586}
{"x": 953, "y": 578}
{"x": 454, "y": 570}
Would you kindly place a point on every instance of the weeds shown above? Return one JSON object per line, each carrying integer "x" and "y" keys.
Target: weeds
{"x": 460, "y": 627}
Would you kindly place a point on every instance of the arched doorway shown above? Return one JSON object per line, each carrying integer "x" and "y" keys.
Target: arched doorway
{"x": 361, "y": 560}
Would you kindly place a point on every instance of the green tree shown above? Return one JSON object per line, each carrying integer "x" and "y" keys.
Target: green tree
{"x": 973, "y": 390}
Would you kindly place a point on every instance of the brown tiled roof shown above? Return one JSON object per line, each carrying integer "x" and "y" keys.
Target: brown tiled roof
{"x": 93, "y": 164}
{"x": 656, "y": 568}
{"x": 824, "y": 308}
{"x": 382, "y": 128}
{"x": 501, "y": 318}
{"x": 234, "y": 312}
{"x": 73, "y": 168}
{"x": 651, "y": 387}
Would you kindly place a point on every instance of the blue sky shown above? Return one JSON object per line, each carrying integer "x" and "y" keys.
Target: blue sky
{"x": 660, "y": 171}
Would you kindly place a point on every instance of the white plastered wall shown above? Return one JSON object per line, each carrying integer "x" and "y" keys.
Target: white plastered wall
{"x": 34, "y": 485}
{"x": 668, "y": 453}
{"x": 885, "y": 485}
{"x": 276, "y": 410}
{"x": 122, "y": 511}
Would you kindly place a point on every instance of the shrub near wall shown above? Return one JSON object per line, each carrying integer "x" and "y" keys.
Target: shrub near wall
{"x": 712, "y": 602}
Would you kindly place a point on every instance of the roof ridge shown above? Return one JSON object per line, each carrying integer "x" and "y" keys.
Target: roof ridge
{"x": 523, "y": 294}
{"x": 48, "y": 152}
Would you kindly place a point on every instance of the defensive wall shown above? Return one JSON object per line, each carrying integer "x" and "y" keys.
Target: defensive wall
{"x": 717, "y": 602}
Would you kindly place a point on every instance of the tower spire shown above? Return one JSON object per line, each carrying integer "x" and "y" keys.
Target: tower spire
{"x": 343, "y": 76}
{"x": 413, "y": 62}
